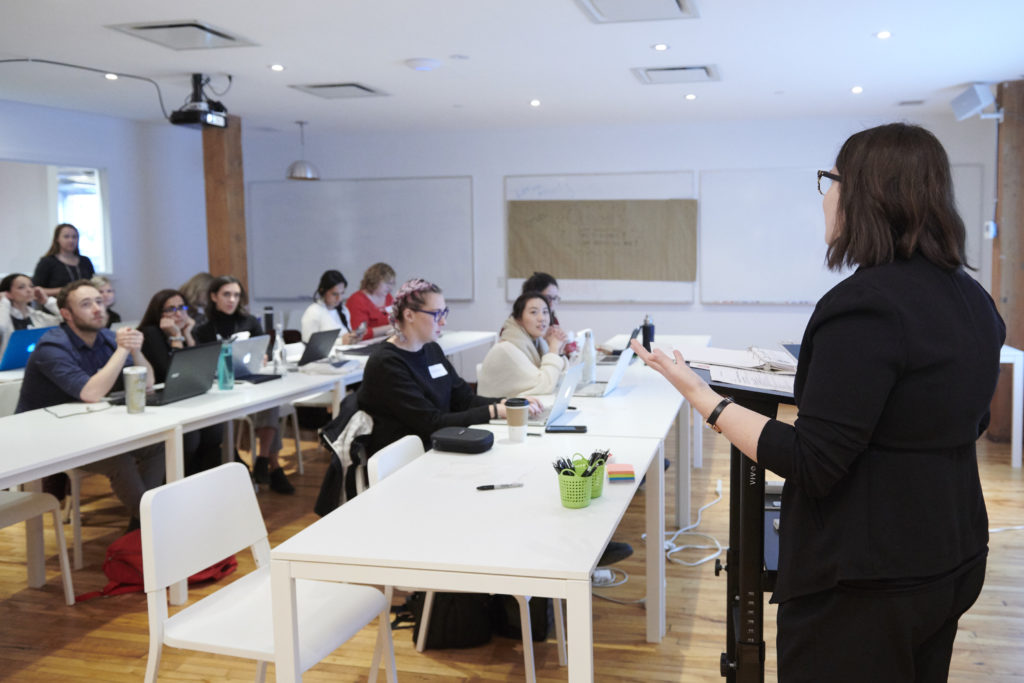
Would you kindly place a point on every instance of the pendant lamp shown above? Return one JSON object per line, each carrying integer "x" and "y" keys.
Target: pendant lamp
{"x": 301, "y": 169}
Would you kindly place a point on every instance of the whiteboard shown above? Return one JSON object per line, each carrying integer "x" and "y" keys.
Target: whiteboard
{"x": 762, "y": 237}
{"x": 648, "y": 185}
{"x": 422, "y": 227}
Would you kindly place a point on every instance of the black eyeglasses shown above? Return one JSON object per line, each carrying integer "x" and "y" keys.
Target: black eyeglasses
{"x": 829, "y": 176}
{"x": 171, "y": 310}
{"x": 437, "y": 315}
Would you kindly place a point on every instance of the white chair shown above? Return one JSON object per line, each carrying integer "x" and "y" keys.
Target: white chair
{"x": 395, "y": 456}
{"x": 20, "y": 506}
{"x": 188, "y": 525}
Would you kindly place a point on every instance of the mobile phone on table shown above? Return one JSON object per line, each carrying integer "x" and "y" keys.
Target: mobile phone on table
{"x": 566, "y": 429}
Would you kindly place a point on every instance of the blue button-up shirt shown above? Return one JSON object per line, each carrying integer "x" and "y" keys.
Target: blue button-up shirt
{"x": 61, "y": 365}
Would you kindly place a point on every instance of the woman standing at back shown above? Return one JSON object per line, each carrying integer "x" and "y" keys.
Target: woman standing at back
{"x": 62, "y": 263}
{"x": 884, "y": 534}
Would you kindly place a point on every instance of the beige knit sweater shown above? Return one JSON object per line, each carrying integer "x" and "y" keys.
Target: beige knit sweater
{"x": 518, "y": 365}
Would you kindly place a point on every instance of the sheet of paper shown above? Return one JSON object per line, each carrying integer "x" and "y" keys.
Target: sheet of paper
{"x": 757, "y": 380}
{"x": 67, "y": 409}
{"x": 736, "y": 358}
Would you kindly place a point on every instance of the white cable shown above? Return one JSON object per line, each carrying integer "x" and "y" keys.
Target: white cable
{"x": 1006, "y": 528}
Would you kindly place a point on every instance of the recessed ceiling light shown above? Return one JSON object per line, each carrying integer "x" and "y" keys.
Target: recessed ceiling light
{"x": 659, "y": 47}
{"x": 110, "y": 77}
{"x": 534, "y": 103}
{"x": 883, "y": 35}
{"x": 422, "y": 64}
{"x": 856, "y": 90}
{"x": 691, "y": 97}
{"x": 277, "y": 67}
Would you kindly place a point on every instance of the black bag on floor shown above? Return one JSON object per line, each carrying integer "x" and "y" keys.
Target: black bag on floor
{"x": 505, "y": 617}
{"x": 456, "y": 619}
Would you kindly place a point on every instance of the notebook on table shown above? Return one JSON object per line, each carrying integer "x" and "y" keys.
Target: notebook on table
{"x": 20, "y": 346}
{"x": 602, "y": 389}
{"x": 190, "y": 373}
{"x": 247, "y": 359}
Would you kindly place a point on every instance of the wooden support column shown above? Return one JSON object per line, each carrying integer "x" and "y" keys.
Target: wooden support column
{"x": 225, "y": 200}
{"x": 1008, "y": 246}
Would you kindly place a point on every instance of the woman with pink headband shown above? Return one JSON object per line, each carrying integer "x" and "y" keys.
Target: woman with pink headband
{"x": 409, "y": 387}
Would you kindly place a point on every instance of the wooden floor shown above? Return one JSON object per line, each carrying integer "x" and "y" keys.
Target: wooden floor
{"x": 41, "y": 639}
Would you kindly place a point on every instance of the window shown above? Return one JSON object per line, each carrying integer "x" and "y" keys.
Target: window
{"x": 80, "y": 202}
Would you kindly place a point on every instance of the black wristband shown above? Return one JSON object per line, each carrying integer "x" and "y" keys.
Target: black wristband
{"x": 713, "y": 417}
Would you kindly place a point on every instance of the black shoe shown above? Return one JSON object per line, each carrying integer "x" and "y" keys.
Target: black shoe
{"x": 615, "y": 552}
{"x": 280, "y": 484}
{"x": 261, "y": 471}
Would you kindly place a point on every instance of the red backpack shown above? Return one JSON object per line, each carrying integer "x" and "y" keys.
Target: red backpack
{"x": 123, "y": 567}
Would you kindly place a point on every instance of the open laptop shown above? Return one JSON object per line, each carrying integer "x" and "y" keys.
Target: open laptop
{"x": 20, "y": 346}
{"x": 553, "y": 414}
{"x": 602, "y": 389}
{"x": 190, "y": 373}
{"x": 319, "y": 346}
{"x": 613, "y": 357}
{"x": 247, "y": 359}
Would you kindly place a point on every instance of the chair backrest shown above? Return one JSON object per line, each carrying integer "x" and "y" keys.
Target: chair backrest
{"x": 393, "y": 457}
{"x": 192, "y": 523}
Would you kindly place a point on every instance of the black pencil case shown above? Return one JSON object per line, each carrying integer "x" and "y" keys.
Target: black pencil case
{"x": 462, "y": 440}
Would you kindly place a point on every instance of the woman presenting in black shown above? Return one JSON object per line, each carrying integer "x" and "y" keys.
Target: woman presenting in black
{"x": 884, "y": 533}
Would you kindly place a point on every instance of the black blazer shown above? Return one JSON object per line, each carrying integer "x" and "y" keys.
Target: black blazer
{"x": 897, "y": 368}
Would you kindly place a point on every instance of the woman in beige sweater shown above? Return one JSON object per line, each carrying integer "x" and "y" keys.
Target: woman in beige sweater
{"x": 527, "y": 359}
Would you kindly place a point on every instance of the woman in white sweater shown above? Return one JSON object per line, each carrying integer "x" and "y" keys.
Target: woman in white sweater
{"x": 326, "y": 312}
{"x": 16, "y": 311}
{"x": 526, "y": 360}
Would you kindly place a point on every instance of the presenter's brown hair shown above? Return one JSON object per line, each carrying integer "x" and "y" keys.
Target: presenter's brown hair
{"x": 895, "y": 198}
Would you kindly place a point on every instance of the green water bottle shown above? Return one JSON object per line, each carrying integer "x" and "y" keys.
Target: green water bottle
{"x": 225, "y": 368}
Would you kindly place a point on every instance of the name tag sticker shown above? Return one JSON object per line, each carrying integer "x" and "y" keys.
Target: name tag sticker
{"x": 437, "y": 370}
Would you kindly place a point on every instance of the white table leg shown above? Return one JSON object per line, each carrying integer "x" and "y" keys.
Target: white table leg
{"x": 580, "y": 640}
{"x": 34, "y": 544}
{"x": 654, "y": 510}
{"x": 286, "y": 622}
{"x": 1015, "y": 404}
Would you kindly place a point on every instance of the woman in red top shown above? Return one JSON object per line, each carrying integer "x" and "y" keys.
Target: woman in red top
{"x": 372, "y": 303}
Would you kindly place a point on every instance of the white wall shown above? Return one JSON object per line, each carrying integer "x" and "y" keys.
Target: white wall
{"x": 488, "y": 156}
{"x": 154, "y": 177}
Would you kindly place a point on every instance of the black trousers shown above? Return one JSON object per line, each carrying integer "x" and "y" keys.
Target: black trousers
{"x": 857, "y": 634}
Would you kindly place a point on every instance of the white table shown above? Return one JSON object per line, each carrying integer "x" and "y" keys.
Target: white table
{"x": 10, "y": 387}
{"x": 427, "y": 526}
{"x": 690, "y": 425}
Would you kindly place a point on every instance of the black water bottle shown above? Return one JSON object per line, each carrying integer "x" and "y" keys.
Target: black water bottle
{"x": 647, "y": 333}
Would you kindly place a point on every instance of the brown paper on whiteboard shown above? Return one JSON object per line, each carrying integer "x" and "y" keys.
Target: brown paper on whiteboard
{"x": 628, "y": 239}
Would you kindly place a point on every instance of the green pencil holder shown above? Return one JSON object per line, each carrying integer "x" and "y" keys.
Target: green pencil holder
{"x": 597, "y": 485}
{"x": 574, "y": 489}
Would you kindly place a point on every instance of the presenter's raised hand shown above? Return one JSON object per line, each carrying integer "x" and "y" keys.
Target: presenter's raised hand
{"x": 673, "y": 368}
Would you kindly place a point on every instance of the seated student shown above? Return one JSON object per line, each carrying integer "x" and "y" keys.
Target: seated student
{"x": 373, "y": 301}
{"x": 106, "y": 289}
{"x": 63, "y": 262}
{"x": 226, "y": 316}
{"x": 166, "y": 326}
{"x": 16, "y": 310}
{"x": 548, "y": 286}
{"x": 526, "y": 358}
{"x": 409, "y": 387}
{"x": 82, "y": 361}
{"x": 195, "y": 291}
{"x": 326, "y": 311}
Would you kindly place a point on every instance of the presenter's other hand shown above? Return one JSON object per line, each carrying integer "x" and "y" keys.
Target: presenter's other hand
{"x": 129, "y": 339}
{"x": 674, "y": 369}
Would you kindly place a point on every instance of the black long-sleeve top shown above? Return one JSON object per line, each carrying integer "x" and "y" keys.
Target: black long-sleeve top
{"x": 157, "y": 350}
{"x": 416, "y": 392}
{"x": 218, "y": 326}
{"x": 52, "y": 272}
{"x": 897, "y": 368}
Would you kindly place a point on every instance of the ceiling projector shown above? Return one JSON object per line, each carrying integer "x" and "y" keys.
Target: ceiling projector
{"x": 200, "y": 111}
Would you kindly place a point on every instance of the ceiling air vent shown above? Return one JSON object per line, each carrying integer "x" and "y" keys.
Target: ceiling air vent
{"x": 186, "y": 34}
{"x": 910, "y": 103}
{"x": 338, "y": 91}
{"x": 677, "y": 74}
{"x": 609, "y": 11}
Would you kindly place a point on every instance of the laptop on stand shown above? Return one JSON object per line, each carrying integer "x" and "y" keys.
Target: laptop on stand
{"x": 247, "y": 359}
{"x": 190, "y": 373}
{"x": 20, "y": 346}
